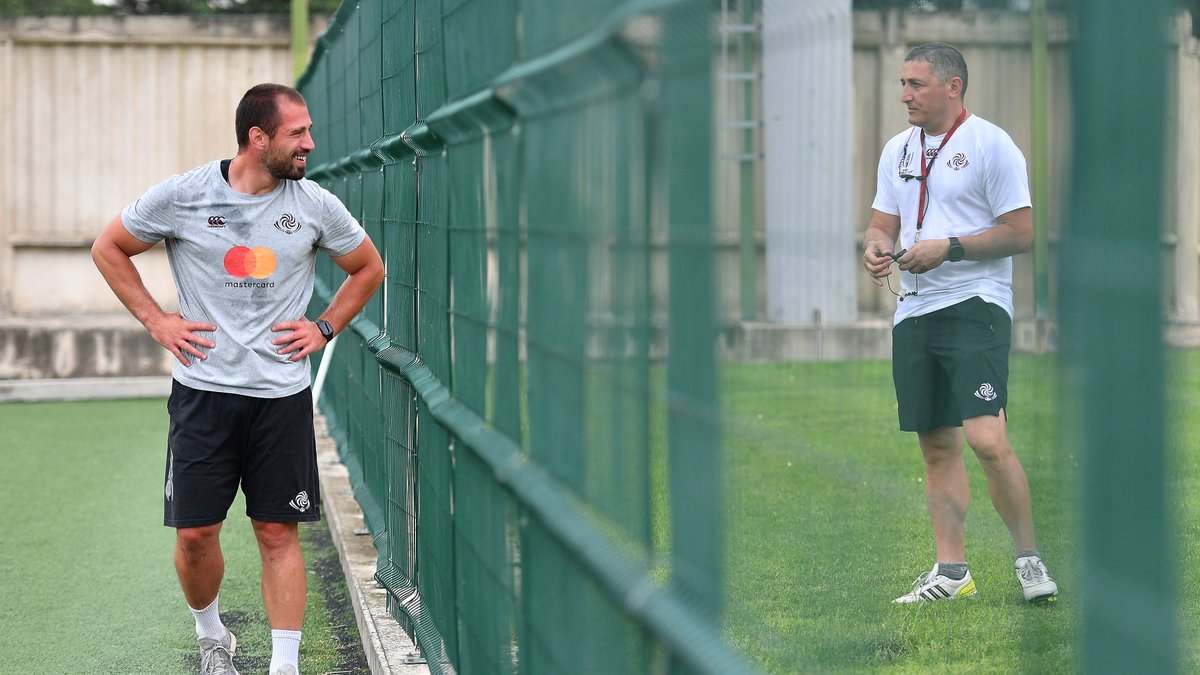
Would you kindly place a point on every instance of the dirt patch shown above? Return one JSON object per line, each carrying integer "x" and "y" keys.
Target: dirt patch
{"x": 324, "y": 562}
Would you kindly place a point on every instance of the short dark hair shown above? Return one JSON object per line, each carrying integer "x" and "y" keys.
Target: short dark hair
{"x": 259, "y": 107}
{"x": 945, "y": 61}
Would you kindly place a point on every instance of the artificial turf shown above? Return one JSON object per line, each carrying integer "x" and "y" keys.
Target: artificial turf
{"x": 824, "y": 522}
{"x": 87, "y": 581}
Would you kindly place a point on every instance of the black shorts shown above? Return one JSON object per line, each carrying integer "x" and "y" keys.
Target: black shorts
{"x": 219, "y": 440}
{"x": 951, "y": 364}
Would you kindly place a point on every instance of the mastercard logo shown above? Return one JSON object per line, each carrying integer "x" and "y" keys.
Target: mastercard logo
{"x": 258, "y": 262}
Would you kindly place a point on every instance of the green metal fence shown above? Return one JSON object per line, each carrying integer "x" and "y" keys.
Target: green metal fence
{"x": 494, "y": 402}
{"x": 530, "y": 409}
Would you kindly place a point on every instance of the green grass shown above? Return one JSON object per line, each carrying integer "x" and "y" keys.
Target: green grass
{"x": 89, "y": 583}
{"x": 826, "y": 523}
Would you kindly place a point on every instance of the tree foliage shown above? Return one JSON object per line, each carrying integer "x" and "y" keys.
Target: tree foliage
{"x": 83, "y": 7}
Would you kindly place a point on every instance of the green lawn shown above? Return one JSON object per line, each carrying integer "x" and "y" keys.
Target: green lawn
{"x": 826, "y": 523}
{"x": 88, "y": 583}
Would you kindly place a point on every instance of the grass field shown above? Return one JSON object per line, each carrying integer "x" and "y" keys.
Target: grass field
{"x": 88, "y": 584}
{"x": 826, "y": 524}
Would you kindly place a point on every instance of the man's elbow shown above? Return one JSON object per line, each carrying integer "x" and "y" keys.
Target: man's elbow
{"x": 1024, "y": 242}
{"x": 99, "y": 248}
{"x": 373, "y": 273}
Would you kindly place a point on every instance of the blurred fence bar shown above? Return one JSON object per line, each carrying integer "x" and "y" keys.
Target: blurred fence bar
{"x": 1111, "y": 302}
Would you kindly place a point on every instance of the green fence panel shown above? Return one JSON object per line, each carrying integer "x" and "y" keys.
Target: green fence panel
{"x": 467, "y": 24}
{"x": 399, "y": 94}
{"x": 487, "y": 608}
{"x": 542, "y": 498}
{"x": 548, "y": 24}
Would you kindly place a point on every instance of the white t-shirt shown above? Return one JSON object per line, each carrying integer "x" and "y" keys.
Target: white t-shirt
{"x": 979, "y": 175}
{"x": 245, "y": 263}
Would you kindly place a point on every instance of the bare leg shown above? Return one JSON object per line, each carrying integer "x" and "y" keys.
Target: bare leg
{"x": 199, "y": 563}
{"x": 947, "y": 492}
{"x": 1007, "y": 484}
{"x": 284, "y": 585}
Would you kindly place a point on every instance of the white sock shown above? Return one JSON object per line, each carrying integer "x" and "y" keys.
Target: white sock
{"x": 208, "y": 621}
{"x": 285, "y": 648}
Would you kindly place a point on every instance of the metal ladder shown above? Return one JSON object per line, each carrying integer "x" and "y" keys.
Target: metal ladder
{"x": 741, "y": 132}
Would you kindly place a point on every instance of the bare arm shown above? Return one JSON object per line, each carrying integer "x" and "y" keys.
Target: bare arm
{"x": 1012, "y": 234}
{"x": 878, "y": 242}
{"x": 365, "y": 270}
{"x": 112, "y": 253}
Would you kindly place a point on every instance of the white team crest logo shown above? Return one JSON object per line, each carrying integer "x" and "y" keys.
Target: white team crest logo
{"x": 300, "y": 503}
{"x": 986, "y": 392}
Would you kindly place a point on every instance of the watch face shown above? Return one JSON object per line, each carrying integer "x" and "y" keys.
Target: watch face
{"x": 325, "y": 328}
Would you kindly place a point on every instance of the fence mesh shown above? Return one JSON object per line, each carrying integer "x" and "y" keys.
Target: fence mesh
{"x": 497, "y": 403}
{"x": 538, "y": 408}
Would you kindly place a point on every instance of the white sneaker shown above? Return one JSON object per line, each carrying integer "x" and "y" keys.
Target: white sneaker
{"x": 216, "y": 656}
{"x": 285, "y": 669}
{"x": 934, "y": 586}
{"x": 1035, "y": 581}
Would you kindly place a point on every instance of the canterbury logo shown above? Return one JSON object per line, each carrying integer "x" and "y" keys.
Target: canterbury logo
{"x": 287, "y": 224}
{"x": 986, "y": 392}
{"x": 216, "y": 221}
{"x": 300, "y": 503}
{"x": 957, "y": 162}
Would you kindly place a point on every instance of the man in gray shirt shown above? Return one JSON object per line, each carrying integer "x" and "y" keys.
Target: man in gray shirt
{"x": 242, "y": 237}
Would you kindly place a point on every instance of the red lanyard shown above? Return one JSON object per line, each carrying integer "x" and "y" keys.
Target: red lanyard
{"x": 924, "y": 179}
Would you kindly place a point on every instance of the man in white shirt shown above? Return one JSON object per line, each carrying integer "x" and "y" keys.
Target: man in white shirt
{"x": 951, "y": 208}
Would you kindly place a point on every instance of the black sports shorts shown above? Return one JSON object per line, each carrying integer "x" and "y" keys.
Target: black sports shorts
{"x": 219, "y": 440}
{"x": 951, "y": 364}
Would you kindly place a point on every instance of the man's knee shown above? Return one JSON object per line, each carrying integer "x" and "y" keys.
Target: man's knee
{"x": 276, "y": 536}
{"x": 197, "y": 540}
{"x": 940, "y": 445}
{"x": 988, "y": 437}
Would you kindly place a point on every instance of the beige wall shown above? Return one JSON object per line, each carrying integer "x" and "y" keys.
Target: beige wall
{"x": 95, "y": 110}
{"x": 997, "y": 50}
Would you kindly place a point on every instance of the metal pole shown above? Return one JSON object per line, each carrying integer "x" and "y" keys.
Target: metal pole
{"x": 299, "y": 37}
{"x": 1111, "y": 304}
{"x": 1041, "y": 162}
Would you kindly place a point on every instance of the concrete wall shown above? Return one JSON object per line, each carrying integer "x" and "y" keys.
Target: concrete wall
{"x": 94, "y": 110}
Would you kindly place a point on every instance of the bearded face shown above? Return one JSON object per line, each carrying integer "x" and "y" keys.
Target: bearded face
{"x": 286, "y": 154}
{"x": 285, "y": 161}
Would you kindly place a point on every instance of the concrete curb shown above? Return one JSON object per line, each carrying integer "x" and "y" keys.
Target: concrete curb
{"x": 388, "y": 648}
{"x": 84, "y": 388}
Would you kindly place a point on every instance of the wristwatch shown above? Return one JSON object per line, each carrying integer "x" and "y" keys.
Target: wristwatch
{"x": 956, "y": 250}
{"x": 325, "y": 328}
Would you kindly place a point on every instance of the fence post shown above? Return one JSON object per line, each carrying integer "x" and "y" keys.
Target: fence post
{"x": 1111, "y": 308}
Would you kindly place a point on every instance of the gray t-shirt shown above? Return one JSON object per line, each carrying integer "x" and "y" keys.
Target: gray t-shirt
{"x": 245, "y": 263}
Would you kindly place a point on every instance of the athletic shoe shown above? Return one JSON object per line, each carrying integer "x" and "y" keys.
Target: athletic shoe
{"x": 285, "y": 669}
{"x": 934, "y": 586}
{"x": 1035, "y": 581}
{"x": 216, "y": 656}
